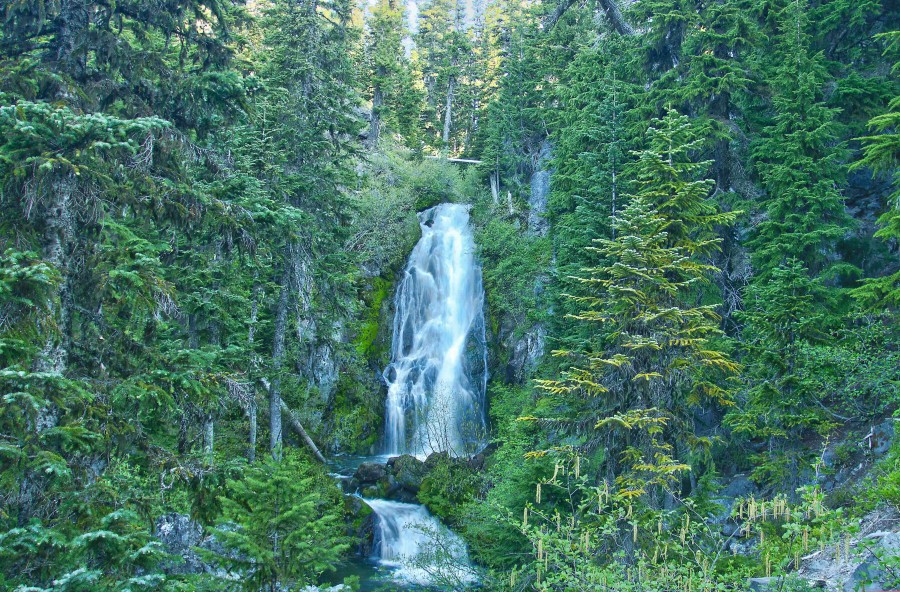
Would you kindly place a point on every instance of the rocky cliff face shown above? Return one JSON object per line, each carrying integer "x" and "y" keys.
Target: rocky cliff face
{"x": 540, "y": 190}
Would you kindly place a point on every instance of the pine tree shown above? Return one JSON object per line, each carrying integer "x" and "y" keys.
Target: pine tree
{"x": 783, "y": 317}
{"x": 881, "y": 152}
{"x": 654, "y": 356}
{"x": 385, "y": 53}
{"x": 798, "y": 159}
{"x": 283, "y": 522}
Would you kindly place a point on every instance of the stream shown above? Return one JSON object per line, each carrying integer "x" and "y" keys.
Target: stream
{"x": 435, "y": 402}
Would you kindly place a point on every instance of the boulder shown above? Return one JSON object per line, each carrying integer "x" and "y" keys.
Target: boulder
{"x": 881, "y": 437}
{"x": 436, "y": 458}
{"x": 360, "y": 524}
{"x": 370, "y": 472}
{"x": 763, "y": 584}
{"x": 180, "y": 535}
{"x": 408, "y": 471}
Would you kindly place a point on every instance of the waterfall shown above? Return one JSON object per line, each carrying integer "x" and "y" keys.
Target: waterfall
{"x": 438, "y": 371}
{"x": 417, "y": 546}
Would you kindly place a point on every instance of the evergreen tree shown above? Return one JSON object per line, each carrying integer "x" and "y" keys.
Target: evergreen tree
{"x": 282, "y": 522}
{"x": 396, "y": 101}
{"x": 799, "y": 159}
{"x": 882, "y": 153}
{"x": 783, "y": 318}
{"x": 654, "y": 357}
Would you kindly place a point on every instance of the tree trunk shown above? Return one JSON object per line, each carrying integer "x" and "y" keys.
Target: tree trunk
{"x": 298, "y": 427}
{"x": 59, "y": 232}
{"x": 448, "y": 113}
{"x": 281, "y": 314}
{"x": 495, "y": 187}
{"x": 615, "y": 17}
{"x": 251, "y": 413}
{"x": 375, "y": 118}
{"x": 251, "y": 404}
{"x": 208, "y": 437}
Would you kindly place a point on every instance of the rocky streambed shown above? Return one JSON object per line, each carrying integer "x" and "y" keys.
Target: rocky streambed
{"x": 399, "y": 540}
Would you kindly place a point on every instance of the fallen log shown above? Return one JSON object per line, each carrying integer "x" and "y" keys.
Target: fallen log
{"x": 298, "y": 427}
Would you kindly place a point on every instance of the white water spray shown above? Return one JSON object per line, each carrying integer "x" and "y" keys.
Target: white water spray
{"x": 438, "y": 371}
{"x": 417, "y": 546}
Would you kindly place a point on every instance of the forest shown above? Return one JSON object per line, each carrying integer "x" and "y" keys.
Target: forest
{"x": 500, "y": 295}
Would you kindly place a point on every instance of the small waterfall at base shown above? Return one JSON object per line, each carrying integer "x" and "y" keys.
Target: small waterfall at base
{"x": 417, "y": 546}
{"x": 438, "y": 372}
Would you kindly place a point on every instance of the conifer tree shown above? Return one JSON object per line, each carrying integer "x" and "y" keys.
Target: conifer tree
{"x": 798, "y": 159}
{"x": 783, "y": 318}
{"x": 654, "y": 356}
{"x": 385, "y": 53}
{"x": 282, "y": 521}
{"x": 882, "y": 153}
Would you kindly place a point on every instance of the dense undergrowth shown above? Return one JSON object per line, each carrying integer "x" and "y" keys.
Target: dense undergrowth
{"x": 687, "y": 218}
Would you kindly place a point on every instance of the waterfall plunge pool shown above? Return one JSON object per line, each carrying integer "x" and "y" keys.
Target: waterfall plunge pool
{"x": 436, "y": 383}
{"x": 412, "y": 551}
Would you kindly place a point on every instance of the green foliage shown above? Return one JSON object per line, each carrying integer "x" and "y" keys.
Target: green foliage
{"x": 446, "y": 489}
{"x": 114, "y": 552}
{"x": 779, "y": 407}
{"x": 655, "y": 354}
{"x": 798, "y": 158}
{"x": 512, "y": 264}
{"x": 881, "y": 152}
{"x": 282, "y": 522}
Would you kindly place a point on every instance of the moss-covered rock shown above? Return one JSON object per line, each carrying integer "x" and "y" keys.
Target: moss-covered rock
{"x": 360, "y": 520}
{"x": 408, "y": 472}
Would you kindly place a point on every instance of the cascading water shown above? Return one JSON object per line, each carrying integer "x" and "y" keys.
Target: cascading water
{"x": 417, "y": 546}
{"x": 436, "y": 385}
{"x": 438, "y": 371}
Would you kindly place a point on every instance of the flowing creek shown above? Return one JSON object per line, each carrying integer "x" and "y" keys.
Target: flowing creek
{"x": 435, "y": 403}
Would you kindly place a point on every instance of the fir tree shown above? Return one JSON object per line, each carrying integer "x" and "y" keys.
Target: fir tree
{"x": 654, "y": 357}
{"x": 882, "y": 153}
{"x": 798, "y": 159}
{"x": 283, "y": 523}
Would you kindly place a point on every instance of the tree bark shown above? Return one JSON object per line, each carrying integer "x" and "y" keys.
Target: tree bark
{"x": 448, "y": 113}
{"x": 251, "y": 404}
{"x": 298, "y": 427}
{"x": 610, "y": 9}
{"x": 495, "y": 187}
{"x": 252, "y": 414}
{"x": 281, "y": 314}
{"x": 615, "y": 17}
{"x": 375, "y": 118}
{"x": 208, "y": 437}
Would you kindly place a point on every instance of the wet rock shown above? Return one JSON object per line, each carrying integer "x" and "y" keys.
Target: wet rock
{"x": 408, "y": 471}
{"x": 370, "y": 472}
{"x": 525, "y": 354}
{"x": 360, "y": 524}
{"x": 376, "y": 490}
{"x": 540, "y": 189}
{"x": 436, "y": 458}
